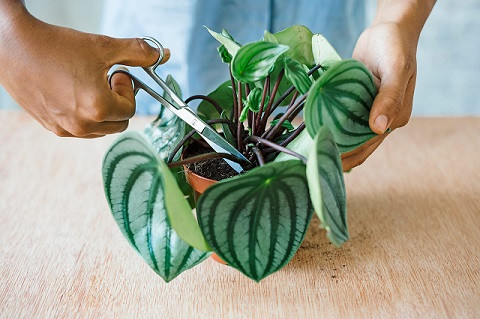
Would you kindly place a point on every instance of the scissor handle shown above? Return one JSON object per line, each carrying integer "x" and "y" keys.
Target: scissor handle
{"x": 159, "y": 47}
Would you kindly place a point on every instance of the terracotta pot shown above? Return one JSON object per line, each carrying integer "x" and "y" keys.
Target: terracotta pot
{"x": 199, "y": 185}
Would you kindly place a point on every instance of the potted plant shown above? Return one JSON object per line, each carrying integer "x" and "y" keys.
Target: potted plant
{"x": 257, "y": 220}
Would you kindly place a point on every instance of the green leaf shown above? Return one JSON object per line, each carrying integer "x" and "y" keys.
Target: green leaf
{"x": 243, "y": 116}
{"x": 341, "y": 100}
{"x": 257, "y": 221}
{"x": 327, "y": 187}
{"x": 299, "y": 39}
{"x": 225, "y": 39}
{"x": 323, "y": 52}
{"x": 295, "y": 72}
{"x": 269, "y": 37}
{"x": 223, "y": 95}
{"x": 145, "y": 202}
{"x": 256, "y": 60}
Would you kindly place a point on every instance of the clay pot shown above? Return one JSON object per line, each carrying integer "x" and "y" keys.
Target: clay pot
{"x": 199, "y": 185}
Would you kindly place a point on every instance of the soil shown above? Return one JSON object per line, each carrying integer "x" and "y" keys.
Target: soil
{"x": 216, "y": 169}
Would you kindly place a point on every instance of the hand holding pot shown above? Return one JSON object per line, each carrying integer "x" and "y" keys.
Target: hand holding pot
{"x": 388, "y": 48}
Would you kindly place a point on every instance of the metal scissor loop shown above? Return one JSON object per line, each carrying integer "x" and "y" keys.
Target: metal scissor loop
{"x": 215, "y": 140}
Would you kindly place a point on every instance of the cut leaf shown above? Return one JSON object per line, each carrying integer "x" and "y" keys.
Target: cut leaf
{"x": 323, "y": 52}
{"x": 299, "y": 39}
{"x": 327, "y": 187}
{"x": 256, "y": 60}
{"x": 257, "y": 221}
{"x": 143, "y": 197}
{"x": 295, "y": 72}
{"x": 341, "y": 100}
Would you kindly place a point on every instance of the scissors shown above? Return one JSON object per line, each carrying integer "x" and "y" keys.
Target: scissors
{"x": 181, "y": 109}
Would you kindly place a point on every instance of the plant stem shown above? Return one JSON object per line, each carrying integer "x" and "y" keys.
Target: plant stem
{"x": 206, "y": 98}
{"x": 292, "y": 88}
{"x": 268, "y": 111}
{"x": 259, "y": 155}
{"x": 287, "y": 141}
{"x": 204, "y": 157}
{"x": 191, "y": 133}
{"x": 275, "y": 146}
{"x": 294, "y": 135}
{"x": 234, "y": 92}
{"x": 258, "y": 115}
{"x": 240, "y": 145}
{"x": 272, "y": 131}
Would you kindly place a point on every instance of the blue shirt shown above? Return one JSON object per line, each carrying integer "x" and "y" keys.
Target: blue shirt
{"x": 195, "y": 64}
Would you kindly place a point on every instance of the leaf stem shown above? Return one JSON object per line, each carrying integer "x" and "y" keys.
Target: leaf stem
{"x": 258, "y": 115}
{"x": 259, "y": 155}
{"x": 206, "y": 98}
{"x": 272, "y": 131}
{"x": 191, "y": 133}
{"x": 240, "y": 144}
{"x": 276, "y": 146}
{"x": 268, "y": 111}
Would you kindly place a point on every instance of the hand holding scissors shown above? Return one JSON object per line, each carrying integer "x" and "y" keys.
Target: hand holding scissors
{"x": 179, "y": 108}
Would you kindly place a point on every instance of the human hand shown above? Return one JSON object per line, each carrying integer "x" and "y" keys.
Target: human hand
{"x": 389, "y": 52}
{"x": 59, "y": 76}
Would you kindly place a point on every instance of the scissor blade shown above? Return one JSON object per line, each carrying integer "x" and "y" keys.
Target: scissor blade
{"x": 220, "y": 145}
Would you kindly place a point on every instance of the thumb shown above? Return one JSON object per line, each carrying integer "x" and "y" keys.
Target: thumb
{"x": 135, "y": 52}
{"x": 389, "y": 101}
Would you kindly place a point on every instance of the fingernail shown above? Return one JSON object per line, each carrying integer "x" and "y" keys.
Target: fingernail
{"x": 381, "y": 122}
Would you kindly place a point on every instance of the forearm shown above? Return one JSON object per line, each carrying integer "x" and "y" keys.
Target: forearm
{"x": 410, "y": 15}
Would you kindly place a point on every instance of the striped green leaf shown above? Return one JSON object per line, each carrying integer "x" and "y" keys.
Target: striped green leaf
{"x": 257, "y": 221}
{"x": 256, "y": 60}
{"x": 341, "y": 100}
{"x": 147, "y": 203}
{"x": 327, "y": 187}
{"x": 295, "y": 72}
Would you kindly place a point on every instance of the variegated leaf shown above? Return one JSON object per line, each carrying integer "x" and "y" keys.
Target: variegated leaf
{"x": 254, "y": 61}
{"x": 327, "y": 187}
{"x": 143, "y": 196}
{"x": 257, "y": 221}
{"x": 341, "y": 100}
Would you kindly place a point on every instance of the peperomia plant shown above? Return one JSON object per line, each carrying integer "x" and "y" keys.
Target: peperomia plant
{"x": 257, "y": 220}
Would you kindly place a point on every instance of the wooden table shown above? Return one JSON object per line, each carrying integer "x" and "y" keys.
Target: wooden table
{"x": 413, "y": 213}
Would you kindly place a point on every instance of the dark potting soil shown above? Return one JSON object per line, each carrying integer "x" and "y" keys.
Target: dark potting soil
{"x": 216, "y": 169}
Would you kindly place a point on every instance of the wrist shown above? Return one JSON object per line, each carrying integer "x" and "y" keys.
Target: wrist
{"x": 409, "y": 15}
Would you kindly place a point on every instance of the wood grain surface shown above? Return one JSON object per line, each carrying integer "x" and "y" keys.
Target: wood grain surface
{"x": 413, "y": 215}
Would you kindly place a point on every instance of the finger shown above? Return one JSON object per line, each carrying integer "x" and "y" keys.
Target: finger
{"x": 122, "y": 105}
{"x": 389, "y": 101}
{"x": 92, "y": 129}
{"x": 134, "y": 52}
{"x": 358, "y": 156}
{"x": 105, "y": 128}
